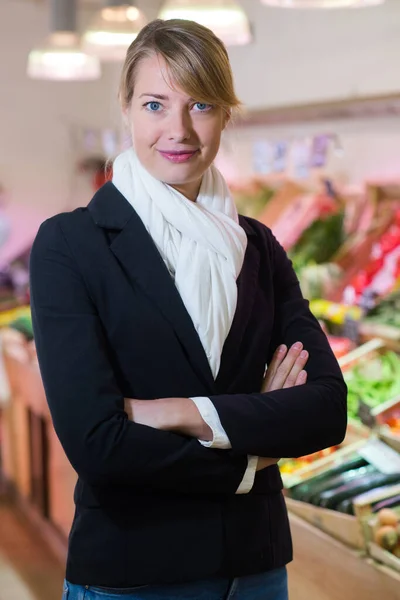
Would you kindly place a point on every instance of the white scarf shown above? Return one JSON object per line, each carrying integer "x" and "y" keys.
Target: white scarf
{"x": 201, "y": 242}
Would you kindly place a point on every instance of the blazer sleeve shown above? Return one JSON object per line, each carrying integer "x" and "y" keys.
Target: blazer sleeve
{"x": 301, "y": 420}
{"x": 87, "y": 407}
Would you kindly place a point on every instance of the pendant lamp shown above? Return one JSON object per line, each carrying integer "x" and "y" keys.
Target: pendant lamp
{"x": 113, "y": 29}
{"x": 322, "y": 3}
{"x": 61, "y": 57}
{"x": 226, "y": 18}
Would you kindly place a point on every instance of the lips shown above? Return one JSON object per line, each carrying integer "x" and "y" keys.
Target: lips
{"x": 178, "y": 156}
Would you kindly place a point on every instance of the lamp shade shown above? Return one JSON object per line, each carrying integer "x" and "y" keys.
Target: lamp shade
{"x": 62, "y": 59}
{"x": 322, "y": 3}
{"x": 226, "y": 18}
{"x": 113, "y": 30}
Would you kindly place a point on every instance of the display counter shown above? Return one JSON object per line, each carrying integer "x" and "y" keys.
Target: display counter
{"x": 33, "y": 461}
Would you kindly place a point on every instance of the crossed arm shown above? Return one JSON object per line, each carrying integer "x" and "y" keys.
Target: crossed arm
{"x": 181, "y": 415}
{"x": 88, "y": 408}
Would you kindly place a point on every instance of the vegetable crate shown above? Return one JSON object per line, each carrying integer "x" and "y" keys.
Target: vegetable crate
{"x": 345, "y": 528}
{"x": 388, "y": 419}
{"x": 372, "y": 373}
{"x": 375, "y": 549}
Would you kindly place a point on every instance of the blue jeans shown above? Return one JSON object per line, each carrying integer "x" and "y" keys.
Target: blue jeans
{"x": 271, "y": 585}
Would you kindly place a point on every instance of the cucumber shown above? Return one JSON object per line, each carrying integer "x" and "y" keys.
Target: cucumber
{"x": 346, "y": 506}
{"x": 332, "y": 498}
{"x": 387, "y": 503}
{"x": 340, "y": 480}
{"x": 302, "y": 489}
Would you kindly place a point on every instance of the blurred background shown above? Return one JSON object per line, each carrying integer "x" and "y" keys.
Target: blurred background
{"x": 315, "y": 155}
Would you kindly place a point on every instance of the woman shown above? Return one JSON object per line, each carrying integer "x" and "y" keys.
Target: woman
{"x": 155, "y": 311}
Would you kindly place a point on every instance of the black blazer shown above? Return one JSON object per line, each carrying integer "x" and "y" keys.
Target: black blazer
{"x": 154, "y": 506}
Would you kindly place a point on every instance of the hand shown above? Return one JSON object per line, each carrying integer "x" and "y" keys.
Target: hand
{"x": 286, "y": 369}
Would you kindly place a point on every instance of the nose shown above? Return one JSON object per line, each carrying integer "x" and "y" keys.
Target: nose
{"x": 180, "y": 126}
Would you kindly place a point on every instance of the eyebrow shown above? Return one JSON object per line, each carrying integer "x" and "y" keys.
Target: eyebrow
{"x": 158, "y": 96}
{"x": 161, "y": 97}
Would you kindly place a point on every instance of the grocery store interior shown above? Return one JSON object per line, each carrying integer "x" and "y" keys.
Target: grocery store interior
{"x": 314, "y": 154}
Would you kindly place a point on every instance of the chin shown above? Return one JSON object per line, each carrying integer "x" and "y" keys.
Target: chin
{"x": 178, "y": 176}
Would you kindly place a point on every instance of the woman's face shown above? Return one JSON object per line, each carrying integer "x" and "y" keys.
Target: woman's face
{"x": 175, "y": 137}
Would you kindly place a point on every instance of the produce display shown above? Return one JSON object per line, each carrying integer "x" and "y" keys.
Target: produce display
{"x": 379, "y": 275}
{"x": 346, "y": 253}
{"x": 373, "y": 381}
{"x": 340, "y": 345}
{"x": 291, "y": 465}
{"x": 387, "y": 532}
{"x": 387, "y": 312}
{"x": 23, "y": 324}
{"x": 339, "y": 485}
{"x": 319, "y": 242}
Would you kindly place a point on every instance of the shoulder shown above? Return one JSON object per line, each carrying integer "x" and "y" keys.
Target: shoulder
{"x": 270, "y": 248}
{"x": 53, "y": 231}
{"x": 260, "y": 232}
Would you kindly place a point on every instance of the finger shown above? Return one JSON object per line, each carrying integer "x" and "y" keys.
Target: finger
{"x": 285, "y": 368}
{"x": 276, "y": 361}
{"x": 298, "y": 366}
{"x": 301, "y": 378}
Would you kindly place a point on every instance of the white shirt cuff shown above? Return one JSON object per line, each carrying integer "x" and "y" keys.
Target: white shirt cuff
{"x": 248, "y": 478}
{"x": 210, "y": 416}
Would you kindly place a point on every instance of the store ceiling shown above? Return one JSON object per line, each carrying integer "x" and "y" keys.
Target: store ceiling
{"x": 142, "y": 3}
{"x": 151, "y": 7}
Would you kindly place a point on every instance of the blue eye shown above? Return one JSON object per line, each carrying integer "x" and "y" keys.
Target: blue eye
{"x": 203, "y": 107}
{"x": 153, "y": 106}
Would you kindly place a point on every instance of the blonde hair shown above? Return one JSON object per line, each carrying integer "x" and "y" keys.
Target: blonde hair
{"x": 197, "y": 60}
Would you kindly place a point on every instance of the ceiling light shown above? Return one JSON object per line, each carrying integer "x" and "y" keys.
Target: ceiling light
{"x": 226, "y": 18}
{"x": 113, "y": 30}
{"x": 61, "y": 58}
{"x": 322, "y": 3}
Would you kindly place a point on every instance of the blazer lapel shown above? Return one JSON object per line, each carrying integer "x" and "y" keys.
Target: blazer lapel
{"x": 247, "y": 289}
{"x": 136, "y": 252}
